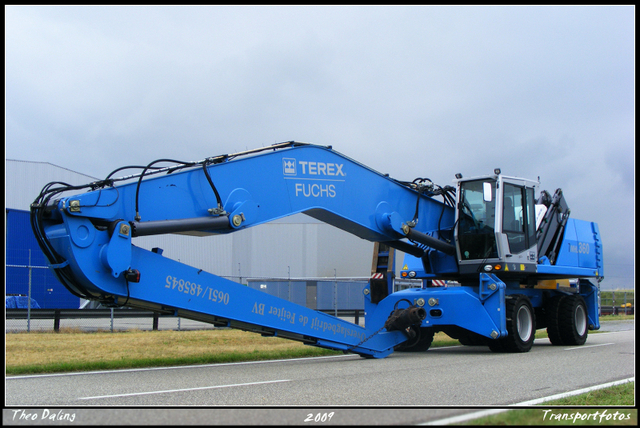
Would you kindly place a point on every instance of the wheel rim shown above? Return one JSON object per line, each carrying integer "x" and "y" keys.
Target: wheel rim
{"x": 580, "y": 319}
{"x": 525, "y": 323}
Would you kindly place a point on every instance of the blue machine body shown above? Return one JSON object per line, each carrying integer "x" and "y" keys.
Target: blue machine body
{"x": 89, "y": 239}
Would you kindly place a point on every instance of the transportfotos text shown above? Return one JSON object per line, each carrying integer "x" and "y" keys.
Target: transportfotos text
{"x": 598, "y": 416}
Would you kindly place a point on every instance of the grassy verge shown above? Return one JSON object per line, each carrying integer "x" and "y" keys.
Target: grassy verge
{"x": 616, "y": 317}
{"x": 74, "y": 350}
{"x": 575, "y": 410}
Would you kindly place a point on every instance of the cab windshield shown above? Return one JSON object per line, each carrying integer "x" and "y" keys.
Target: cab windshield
{"x": 476, "y": 227}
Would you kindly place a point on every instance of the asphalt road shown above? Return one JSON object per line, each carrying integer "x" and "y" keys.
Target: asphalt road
{"x": 402, "y": 388}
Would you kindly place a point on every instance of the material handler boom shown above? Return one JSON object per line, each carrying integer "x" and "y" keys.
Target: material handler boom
{"x": 515, "y": 271}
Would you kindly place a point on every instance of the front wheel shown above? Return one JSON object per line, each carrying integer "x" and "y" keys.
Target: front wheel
{"x": 420, "y": 342}
{"x": 521, "y": 321}
{"x": 473, "y": 339}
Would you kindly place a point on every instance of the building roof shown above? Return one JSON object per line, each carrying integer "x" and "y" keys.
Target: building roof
{"x": 25, "y": 179}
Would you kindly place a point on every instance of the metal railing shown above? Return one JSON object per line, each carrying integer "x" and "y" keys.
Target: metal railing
{"x": 21, "y": 320}
{"x": 111, "y": 320}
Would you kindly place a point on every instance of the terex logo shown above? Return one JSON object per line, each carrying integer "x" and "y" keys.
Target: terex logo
{"x": 289, "y": 166}
{"x": 312, "y": 168}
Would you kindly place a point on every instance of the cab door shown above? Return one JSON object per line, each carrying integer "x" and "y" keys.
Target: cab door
{"x": 518, "y": 223}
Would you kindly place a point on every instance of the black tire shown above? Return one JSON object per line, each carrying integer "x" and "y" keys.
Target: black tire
{"x": 573, "y": 320}
{"x": 552, "y": 314}
{"x": 473, "y": 339}
{"x": 521, "y": 326}
{"x": 420, "y": 343}
{"x": 496, "y": 345}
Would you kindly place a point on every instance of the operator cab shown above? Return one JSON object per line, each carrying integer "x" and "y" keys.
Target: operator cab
{"x": 496, "y": 225}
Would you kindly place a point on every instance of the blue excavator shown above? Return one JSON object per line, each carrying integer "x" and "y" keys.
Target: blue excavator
{"x": 517, "y": 262}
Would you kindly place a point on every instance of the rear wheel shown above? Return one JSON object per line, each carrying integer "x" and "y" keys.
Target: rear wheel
{"x": 573, "y": 320}
{"x": 521, "y": 329}
{"x": 552, "y": 310}
{"x": 567, "y": 320}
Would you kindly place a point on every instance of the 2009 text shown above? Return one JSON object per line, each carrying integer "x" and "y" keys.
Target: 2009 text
{"x": 319, "y": 417}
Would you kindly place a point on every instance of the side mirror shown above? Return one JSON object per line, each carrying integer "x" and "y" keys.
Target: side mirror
{"x": 486, "y": 192}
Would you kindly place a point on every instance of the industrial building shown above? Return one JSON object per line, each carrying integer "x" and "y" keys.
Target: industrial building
{"x": 263, "y": 256}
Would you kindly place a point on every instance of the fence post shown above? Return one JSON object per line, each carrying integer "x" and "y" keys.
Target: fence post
{"x": 56, "y": 320}
{"x": 29, "y": 297}
{"x": 155, "y": 321}
{"x": 335, "y": 293}
{"x": 111, "y": 320}
{"x": 289, "y": 280}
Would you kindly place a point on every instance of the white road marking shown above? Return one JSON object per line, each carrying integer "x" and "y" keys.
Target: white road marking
{"x": 588, "y": 346}
{"x": 182, "y": 390}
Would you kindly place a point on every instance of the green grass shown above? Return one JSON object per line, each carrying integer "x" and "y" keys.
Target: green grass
{"x": 71, "y": 351}
{"x": 616, "y": 317}
{"x": 619, "y": 395}
{"x": 133, "y": 363}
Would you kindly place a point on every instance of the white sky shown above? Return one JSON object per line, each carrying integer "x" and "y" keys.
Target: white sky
{"x": 413, "y": 91}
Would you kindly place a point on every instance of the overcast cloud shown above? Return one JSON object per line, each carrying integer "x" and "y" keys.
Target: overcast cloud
{"x": 410, "y": 91}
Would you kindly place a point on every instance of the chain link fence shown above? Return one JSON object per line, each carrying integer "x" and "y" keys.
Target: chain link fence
{"x": 619, "y": 302}
{"x": 28, "y": 275}
{"x": 38, "y": 302}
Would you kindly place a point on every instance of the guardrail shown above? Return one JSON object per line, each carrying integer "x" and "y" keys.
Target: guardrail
{"x": 57, "y": 314}
{"x": 616, "y": 310}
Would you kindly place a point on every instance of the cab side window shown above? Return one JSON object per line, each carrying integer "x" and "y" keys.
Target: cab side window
{"x": 513, "y": 218}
